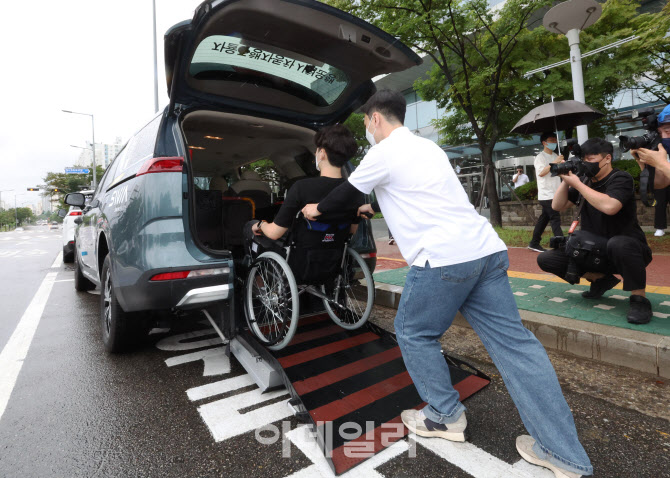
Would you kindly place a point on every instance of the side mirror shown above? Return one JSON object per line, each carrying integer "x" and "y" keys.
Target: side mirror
{"x": 62, "y": 212}
{"x": 75, "y": 199}
{"x": 78, "y": 220}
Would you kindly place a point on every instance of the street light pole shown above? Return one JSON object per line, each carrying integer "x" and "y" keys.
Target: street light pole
{"x": 155, "y": 62}
{"x": 95, "y": 181}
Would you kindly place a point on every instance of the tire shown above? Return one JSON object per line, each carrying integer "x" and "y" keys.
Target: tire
{"x": 272, "y": 312}
{"x": 119, "y": 329}
{"x": 68, "y": 257}
{"x": 81, "y": 283}
{"x": 351, "y": 313}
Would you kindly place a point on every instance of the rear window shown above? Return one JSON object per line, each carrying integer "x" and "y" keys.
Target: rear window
{"x": 226, "y": 58}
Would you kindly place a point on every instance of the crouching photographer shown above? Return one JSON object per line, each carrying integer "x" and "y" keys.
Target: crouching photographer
{"x": 610, "y": 240}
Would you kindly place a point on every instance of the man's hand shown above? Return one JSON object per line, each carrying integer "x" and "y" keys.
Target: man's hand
{"x": 311, "y": 212}
{"x": 559, "y": 160}
{"x": 255, "y": 230}
{"x": 652, "y": 158}
{"x": 570, "y": 179}
{"x": 366, "y": 209}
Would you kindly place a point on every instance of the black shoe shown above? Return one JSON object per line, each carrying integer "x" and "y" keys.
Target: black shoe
{"x": 534, "y": 246}
{"x": 600, "y": 286}
{"x": 640, "y": 310}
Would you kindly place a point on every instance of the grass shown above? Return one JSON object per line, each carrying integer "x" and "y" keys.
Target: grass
{"x": 521, "y": 238}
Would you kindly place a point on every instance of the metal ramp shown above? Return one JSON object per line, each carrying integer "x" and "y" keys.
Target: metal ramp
{"x": 350, "y": 385}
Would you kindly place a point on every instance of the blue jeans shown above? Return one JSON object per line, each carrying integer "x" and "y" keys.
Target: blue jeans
{"x": 480, "y": 290}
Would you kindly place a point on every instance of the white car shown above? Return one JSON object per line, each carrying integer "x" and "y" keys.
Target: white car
{"x": 69, "y": 227}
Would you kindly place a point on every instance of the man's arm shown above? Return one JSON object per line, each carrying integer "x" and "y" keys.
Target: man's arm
{"x": 547, "y": 168}
{"x": 515, "y": 177}
{"x": 657, "y": 159}
{"x": 601, "y": 201}
{"x": 560, "y": 201}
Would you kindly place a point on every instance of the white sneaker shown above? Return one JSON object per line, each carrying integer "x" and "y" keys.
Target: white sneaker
{"x": 524, "y": 445}
{"x": 417, "y": 423}
{"x": 659, "y": 233}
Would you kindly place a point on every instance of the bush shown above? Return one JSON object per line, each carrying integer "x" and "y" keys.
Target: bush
{"x": 527, "y": 192}
{"x": 631, "y": 167}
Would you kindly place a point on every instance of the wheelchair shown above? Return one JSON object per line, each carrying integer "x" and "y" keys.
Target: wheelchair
{"x": 314, "y": 257}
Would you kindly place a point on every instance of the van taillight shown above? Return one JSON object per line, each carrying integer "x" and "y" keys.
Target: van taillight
{"x": 75, "y": 213}
{"x": 162, "y": 165}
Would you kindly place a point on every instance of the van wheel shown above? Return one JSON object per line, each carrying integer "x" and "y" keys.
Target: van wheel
{"x": 119, "y": 329}
{"x": 68, "y": 257}
{"x": 81, "y": 283}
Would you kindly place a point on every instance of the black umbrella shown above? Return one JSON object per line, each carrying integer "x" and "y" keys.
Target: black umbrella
{"x": 556, "y": 116}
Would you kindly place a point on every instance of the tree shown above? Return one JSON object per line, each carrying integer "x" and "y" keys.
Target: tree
{"x": 654, "y": 82}
{"x": 356, "y": 125}
{"x": 471, "y": 48}
{"x": 57, "y": 185}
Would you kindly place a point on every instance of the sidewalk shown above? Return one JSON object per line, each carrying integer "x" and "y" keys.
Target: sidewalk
{"x": 555, "y": 311}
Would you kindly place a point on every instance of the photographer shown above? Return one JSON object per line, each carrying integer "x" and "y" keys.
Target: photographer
{"x": 608, "y": 215}
{"x": 659, "y": 160}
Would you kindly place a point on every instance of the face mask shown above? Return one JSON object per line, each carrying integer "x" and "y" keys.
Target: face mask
{"x": 666, "y": 144}
{"x": 552, "y": 146}
{"x": 316, "y": 161}
{"x": 370, "y": 136}
{"x": 592, "y": 169}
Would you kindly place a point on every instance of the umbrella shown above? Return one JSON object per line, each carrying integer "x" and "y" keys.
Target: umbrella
{"x": 557, "y": 115}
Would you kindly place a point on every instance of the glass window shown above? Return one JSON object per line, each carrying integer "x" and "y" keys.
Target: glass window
{"x": 410, "y": 117}
{"x": 227, "y": 58}
{"x": 139, "y": 148}
{"x": 426, "y": 111}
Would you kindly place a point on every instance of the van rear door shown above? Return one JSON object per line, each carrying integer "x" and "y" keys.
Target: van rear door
{"x": 299, "y": 61}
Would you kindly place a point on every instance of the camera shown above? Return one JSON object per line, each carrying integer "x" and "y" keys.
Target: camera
{"x": 573, "y": 164}
{"x": 649, "y": 140}
{"x": 557, "y": 242}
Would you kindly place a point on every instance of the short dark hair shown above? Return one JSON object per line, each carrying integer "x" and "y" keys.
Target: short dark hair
{"x": 389, "y": 103}
{"x": 546, "y": 135}
{"x": 339, "y": 143}
{"x": 597, "y": 146}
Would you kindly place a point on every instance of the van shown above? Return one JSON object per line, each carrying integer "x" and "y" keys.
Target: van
{"x": 249, "y": 82}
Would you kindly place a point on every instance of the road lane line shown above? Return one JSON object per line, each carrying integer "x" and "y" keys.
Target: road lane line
{"x": 16, "y": 349}
{"x": 58, "y": 261}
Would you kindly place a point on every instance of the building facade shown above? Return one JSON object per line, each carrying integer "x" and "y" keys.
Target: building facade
{"x": 104, "y": 153}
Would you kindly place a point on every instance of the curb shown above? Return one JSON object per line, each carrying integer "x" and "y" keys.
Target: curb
{"x": 642, "y": 351}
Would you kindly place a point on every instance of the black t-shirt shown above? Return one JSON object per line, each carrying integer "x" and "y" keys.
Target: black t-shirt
{"x": 618, "y": 185}
{"x": 309, "y": 191}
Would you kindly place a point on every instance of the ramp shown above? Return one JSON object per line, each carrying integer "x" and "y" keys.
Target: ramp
{"x": 353, "y": 385}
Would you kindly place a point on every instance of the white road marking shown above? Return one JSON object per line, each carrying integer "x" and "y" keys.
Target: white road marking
{"x": 661, "y": 315}
{"x": 557, "y": 299}
{"x": 537, "y": 286}
{"x": 619, "y": 297}
{"x": 175, "y": 343}
{"x": 225, "y": 421}
{"x": 521, "y": 293}
{"x": 574, "y": 291}
{"x": 16, "y": 349}
{"x": 58, "y": 261}
{"x": 305, "y": 442}
{"x": 216, "y": 361}
{"x": 666, "y": 303}
{"x": 603, "y": 307}
{"x": 65, "y": 280}
{"x": 478, "y": 462}
{"x": 218, "y": 388}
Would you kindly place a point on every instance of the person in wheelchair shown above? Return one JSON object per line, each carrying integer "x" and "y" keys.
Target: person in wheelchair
{"x": 335, "y": 145}
{"x": 291, "y": 253}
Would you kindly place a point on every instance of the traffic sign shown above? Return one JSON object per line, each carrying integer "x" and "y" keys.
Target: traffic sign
{"x": 77, "y": 170}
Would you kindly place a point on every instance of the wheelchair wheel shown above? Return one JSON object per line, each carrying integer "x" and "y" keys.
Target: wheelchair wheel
{"x": 271, "y": 303}
{"x": 349, "y": 305}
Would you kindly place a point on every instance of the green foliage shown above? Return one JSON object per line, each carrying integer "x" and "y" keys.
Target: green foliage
{"x": 655, "y": 44}
{"x": 8, "y": 216}
{"x": 528, "y": 191}
{"x": 67, "y": 183}
{"x": 631, "y": 167}
{"x": 356, "y": 125}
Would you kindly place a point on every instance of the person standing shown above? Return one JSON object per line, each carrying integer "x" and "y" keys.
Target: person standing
{"x": 458, "y": 262}
{"x": 546, "y": 188}
{"x": 519, "y": 179}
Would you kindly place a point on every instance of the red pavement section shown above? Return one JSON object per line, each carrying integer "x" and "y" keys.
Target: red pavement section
{"x": 525, "y": 260}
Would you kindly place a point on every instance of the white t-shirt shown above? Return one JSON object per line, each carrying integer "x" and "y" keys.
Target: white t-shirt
{"x": 546, "y": 185}
{"x": 521, "y": 180}
{"x": 423, "y": 202}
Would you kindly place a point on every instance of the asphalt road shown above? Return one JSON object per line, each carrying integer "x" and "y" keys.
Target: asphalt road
{"x": 176, "y": 406}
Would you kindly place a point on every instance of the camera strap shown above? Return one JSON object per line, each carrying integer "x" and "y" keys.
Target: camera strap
{"x": 578, "y": 212}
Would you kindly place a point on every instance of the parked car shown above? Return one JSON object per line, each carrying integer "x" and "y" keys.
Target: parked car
{"x": 163, "y": 230}
{"x": 18, "y": 229}
{"x": 69, "y": 226}
{"x": 53, "y": 225}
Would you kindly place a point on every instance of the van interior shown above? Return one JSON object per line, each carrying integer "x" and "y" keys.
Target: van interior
{"x": 242, "y": 167}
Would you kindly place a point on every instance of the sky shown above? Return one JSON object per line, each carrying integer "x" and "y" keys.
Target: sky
{"x": 89, "y": 56}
